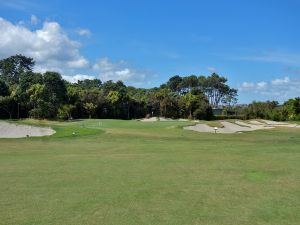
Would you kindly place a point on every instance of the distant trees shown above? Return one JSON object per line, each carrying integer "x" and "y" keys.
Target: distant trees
{"x": 214, "y": 87}
{"x": 290, "y": 110}
{"x": 24, "y": 93}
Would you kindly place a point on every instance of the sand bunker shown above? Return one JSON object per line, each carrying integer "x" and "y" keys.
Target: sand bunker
{"x": 280, "y": 124}
{"x": 151, "y": 119}
{"x": 228, "y": 128}
{"x": 240, "y": 126}
{"x": 256, "y": 122}
{"x": 9, "y": 130}
{"x": 154, "y": 119}
{"x": 270, "y": 122}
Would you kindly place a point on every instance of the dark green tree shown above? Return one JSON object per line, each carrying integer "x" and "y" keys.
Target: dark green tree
{"x": 4, "y": 88}
{"x": 11, "y": 68}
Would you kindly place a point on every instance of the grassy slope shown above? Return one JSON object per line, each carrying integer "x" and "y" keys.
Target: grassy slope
{"x": 127, "y": 172}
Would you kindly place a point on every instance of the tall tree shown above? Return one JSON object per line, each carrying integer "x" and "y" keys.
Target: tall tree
{"x": 55, "y": 88}
{"x": 11, "y": 68}
{"x": 216, "y": 89}
{"x": 188, "y": 83}
{"x": 174, "y": 83}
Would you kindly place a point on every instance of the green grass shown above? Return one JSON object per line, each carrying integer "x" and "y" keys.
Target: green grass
{"x": 131, "y": 173}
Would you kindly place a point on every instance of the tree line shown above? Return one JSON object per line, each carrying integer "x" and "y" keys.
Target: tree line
{"x": 272, "y": 110}
{"x": 25, "y": 93}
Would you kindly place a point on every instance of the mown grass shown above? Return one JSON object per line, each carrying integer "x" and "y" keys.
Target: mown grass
{"x": 130, "y": 172}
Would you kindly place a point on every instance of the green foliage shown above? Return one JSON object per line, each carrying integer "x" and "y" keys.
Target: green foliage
{"x": 113, "y": 97}
{"x": 7, "y": 104}
{"x": 13, "y": 67}
{"x": 90, "y": 108}
{"x": 292, "y": 109}
{"x": 65, "y": 112}
{"x": 55, "y": 88}
{"x": 49, "y": 96}
{"x": 88, "y": 84}
{"x": 4, "y": 88}
{"x": 28, "y": 79}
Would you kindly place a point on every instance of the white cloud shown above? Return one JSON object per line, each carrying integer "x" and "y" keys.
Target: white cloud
{"x": 283, "y": 81}
{"x": 248, "y": 86}
{"x": 84, "y": 32}
{"x": 261, "y": 85}
{"x": 120, "y": 71}
{"x": 34, "y": 20}
{"x": 50, "y": 46}
{"x": 279, "y": 89}
{"x": 76, "y": 78}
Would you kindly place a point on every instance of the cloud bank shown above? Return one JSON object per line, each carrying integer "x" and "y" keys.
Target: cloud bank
{"x": 53, "y": 50}
{"x": 278, "y": 89}
{"x": 50, "y": 46}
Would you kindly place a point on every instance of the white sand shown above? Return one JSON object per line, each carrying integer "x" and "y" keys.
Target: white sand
{"x": 162, "y": 119}
{"x": 165, "y": 119}
{"x": 228, "y": 128}
{"x": 151, "y": 119}
{"x": 243, "y": 124}
{"x": 256, "y": 122}
{"x": 270, "y": 122}
{"x": 240, "y": 126}
{"x": 9, "y": 130}
{"x": 201, "y": 128}
{"x": 280, "y": 124}
{"x": 183, "y": 120}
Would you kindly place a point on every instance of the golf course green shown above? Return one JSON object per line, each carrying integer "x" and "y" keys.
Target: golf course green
{"x": 117, "y": 172}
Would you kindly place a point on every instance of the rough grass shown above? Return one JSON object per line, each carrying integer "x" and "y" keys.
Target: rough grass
{"x": 128, "y": 172}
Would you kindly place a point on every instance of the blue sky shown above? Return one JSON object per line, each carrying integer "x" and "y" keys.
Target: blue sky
{"x": 255, "y": 44}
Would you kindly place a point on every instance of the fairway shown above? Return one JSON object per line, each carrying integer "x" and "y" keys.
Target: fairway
{"x": 133, "y": 173}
